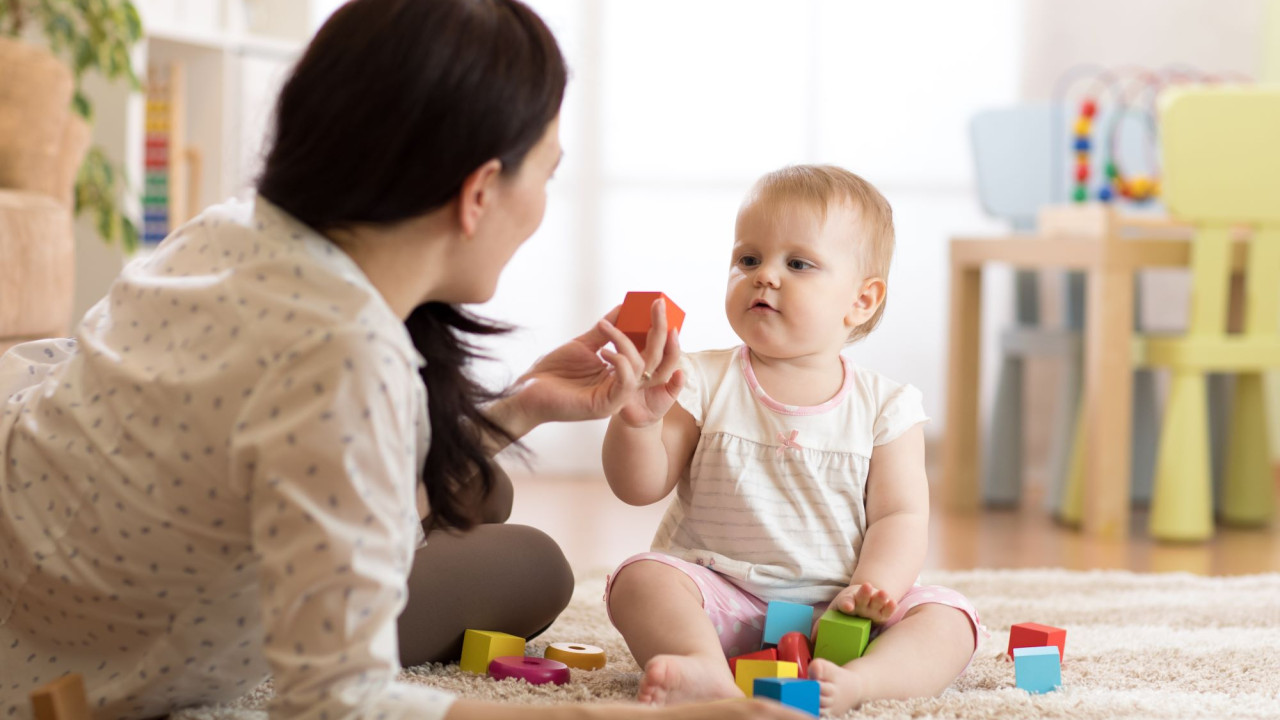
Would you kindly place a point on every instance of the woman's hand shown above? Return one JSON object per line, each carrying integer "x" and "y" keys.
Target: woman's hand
{"x": 585, "y": 380}
{"x": 865, "y": 601}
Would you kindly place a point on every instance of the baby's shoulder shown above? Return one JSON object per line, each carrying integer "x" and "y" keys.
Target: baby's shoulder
{"x": 890, "y": 406}
{"x": 873, "y": 384}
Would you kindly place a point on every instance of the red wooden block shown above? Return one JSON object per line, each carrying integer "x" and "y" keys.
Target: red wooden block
{"x": 1037, "y": 635}
{"x": 634, "y": 319}
{"x": 770, "y": 654}
{"x": 794, "y": 647}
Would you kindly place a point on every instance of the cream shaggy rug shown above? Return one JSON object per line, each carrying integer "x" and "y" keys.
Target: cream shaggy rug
{"x": 1138, "y": 646}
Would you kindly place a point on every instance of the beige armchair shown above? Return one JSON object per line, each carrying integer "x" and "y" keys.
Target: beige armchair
{"x": 42, "y": 143}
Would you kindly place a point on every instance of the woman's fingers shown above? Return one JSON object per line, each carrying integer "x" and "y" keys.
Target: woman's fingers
{"x": 623, "y": 344}
{"x": 625, "y": 372}
{"x": 595, "y": 338}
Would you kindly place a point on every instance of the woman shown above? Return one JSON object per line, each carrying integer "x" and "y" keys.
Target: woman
{"x": 217, "y": 478}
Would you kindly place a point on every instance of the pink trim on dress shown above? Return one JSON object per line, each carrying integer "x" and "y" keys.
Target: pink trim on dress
{"x": 744, "y": 356}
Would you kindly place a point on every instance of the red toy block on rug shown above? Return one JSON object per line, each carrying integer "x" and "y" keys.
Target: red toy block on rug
{"x": 1036, "y": 635}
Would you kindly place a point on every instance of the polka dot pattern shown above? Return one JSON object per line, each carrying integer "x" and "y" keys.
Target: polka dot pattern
{"x": 214, "y": 481}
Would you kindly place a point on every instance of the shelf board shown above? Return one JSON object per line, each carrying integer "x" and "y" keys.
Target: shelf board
{"x": 223, "y": 42}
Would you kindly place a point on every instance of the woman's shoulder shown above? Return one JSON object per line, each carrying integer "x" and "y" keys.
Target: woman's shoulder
{"x": 249, "y": 265}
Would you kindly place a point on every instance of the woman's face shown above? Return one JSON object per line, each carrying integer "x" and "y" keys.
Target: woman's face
{"x": 519, "y": 203}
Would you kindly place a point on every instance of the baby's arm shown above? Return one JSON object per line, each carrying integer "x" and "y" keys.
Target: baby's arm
{"x": 897, "y": 536}
{"x": 643, "y": 464}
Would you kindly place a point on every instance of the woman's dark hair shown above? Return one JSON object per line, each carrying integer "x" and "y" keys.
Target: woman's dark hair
{"x": 392, "y": 105}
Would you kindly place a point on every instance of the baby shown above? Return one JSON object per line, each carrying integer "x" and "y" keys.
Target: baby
{"x": 799, "y": 476}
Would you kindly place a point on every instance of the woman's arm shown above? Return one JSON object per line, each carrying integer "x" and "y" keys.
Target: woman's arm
{"x": 723, "y": 710}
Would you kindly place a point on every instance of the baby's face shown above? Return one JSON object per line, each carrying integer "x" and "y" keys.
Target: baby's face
{"x": 794, "y": 278}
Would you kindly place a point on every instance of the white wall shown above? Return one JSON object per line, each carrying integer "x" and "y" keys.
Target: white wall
{"x": 675, "y": 107}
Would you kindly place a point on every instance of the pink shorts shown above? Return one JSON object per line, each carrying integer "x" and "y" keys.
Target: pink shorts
{"x": 738, "y": 616}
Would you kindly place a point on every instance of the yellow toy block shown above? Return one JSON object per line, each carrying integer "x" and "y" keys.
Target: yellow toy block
{"x": 749, "y": 670}
{"x": 480, "y": 647}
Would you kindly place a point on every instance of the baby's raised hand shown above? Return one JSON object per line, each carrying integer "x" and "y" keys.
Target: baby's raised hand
{"x": 865, "y": 601}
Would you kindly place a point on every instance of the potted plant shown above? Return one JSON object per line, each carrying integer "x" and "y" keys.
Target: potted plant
{"x": 88, "y": 36}
{"x": 46, "y": 176}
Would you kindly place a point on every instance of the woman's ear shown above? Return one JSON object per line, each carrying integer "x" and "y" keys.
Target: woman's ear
{"x": 869, "y": 298}
{"x": 477, "y": 195}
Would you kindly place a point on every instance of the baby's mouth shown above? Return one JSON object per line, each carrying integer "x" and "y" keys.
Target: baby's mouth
{"x": 762, "y": 304}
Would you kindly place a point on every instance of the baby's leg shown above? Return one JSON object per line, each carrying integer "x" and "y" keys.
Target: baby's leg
{"x": 658, "y": 609}
{"x": 917, "y": 657}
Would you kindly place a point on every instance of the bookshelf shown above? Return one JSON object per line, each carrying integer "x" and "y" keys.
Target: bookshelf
{"x": 211, "y": 70}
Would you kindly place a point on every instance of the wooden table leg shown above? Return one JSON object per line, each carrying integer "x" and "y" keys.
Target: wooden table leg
{"x": 960, "y": 453}
{"x": 1109, "y": 402}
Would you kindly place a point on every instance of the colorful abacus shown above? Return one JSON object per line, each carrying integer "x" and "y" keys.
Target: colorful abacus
{"x": 155, "y": 197}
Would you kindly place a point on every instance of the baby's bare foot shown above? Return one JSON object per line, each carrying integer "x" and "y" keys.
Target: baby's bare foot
{"x": 841, "y": 688}
{"x": 675, "y": 679}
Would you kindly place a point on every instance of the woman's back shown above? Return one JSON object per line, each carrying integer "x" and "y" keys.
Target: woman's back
{"x": 137, "y": 461}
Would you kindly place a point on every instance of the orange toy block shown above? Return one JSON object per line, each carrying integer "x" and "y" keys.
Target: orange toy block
{"x": 634, "y": 319}
{"x": 769, "y": 654}
{"x": 61, "y": 699}
{"x": 1037, "y": 635}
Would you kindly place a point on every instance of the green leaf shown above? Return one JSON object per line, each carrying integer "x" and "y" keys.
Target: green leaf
{"x": 80, "y": 103}
{"x": 132, "y": 22}
{"x": 129, "y": 235}
{"x": 103, "y": 217}
{"x": 84, "y": 55}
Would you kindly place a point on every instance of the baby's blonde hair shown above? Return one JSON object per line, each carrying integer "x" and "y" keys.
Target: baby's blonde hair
{"x": 821, "y": 186}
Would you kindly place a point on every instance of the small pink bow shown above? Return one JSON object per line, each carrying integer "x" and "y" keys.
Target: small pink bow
{"x": 788, "y": 443}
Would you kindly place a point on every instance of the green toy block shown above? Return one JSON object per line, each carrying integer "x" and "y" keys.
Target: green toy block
{"x": 840, "y": 637}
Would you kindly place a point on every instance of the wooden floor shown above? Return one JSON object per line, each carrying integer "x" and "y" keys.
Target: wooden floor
{"x": 597, "y": 531}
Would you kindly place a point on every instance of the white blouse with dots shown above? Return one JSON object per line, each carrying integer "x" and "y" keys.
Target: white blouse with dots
{"x": 213, "y": 481}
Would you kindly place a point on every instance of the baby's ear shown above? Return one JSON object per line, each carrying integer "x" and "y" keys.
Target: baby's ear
{"x": 869, "y": 298}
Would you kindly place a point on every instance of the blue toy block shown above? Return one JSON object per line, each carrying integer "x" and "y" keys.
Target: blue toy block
{"x": 802, "y": 695}
{"x": 784, "y": 617}
{"x": 1037, "y": 669}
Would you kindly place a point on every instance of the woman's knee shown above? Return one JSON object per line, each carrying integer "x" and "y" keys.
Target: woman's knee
{"x": 543, "y": 562}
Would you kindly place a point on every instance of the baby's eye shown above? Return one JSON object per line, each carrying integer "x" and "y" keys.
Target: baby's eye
{"x": 748, "y": 261}
{"x": 799, "y": 264}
